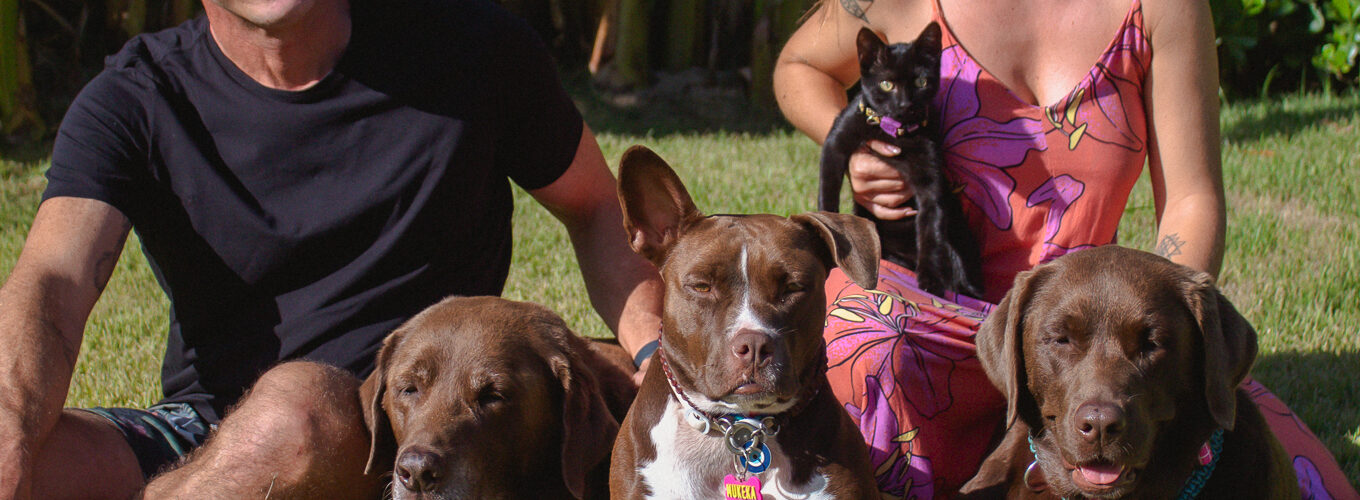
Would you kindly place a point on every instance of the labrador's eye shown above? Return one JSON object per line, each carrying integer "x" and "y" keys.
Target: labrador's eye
{"x": 887, "y": 86}
{"x": 490, "y": 396}
{"x": 1150, "y": 342}
{"x": 700, "y": 287}
{"x": 921, "y": 82}
{"x": 410, "y": 390}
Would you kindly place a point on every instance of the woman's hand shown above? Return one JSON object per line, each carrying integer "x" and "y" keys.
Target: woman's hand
{"x": 878, "y": 186}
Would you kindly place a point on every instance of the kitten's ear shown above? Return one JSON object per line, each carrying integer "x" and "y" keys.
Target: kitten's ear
{"x": 870, "y": 46}
{"x": 930, "y": 39}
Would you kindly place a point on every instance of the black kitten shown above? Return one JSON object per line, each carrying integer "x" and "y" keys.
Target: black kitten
{"x": 897, "y": 84}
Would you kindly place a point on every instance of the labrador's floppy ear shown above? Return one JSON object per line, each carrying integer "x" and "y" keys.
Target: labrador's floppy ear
{"x": 588, "y": 428}
{"x": 655, "y": 203}
{"x": 1229, "y": 346}
{"x": 1001, "y": 340}
{"x": 382, "y": 450}
{"x": 852, "y": 242}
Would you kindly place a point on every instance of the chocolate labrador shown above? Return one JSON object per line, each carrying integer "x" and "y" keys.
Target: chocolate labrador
{"x": 487, "y": 398}
{"x": 1121, "y": 370}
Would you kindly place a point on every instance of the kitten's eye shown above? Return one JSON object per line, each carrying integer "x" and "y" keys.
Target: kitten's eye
{"x": 887, "y": 86}
{"x": 921, "y": 82}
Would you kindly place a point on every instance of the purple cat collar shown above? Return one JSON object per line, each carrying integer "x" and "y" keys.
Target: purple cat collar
{"x": 890, "y": 125}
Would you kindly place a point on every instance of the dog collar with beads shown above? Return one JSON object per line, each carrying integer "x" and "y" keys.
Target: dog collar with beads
{"x": 1209, "y": 453}
{"x": 889, "y": 124}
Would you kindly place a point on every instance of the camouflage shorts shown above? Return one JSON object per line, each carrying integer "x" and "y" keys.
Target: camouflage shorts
{"x": 159, "y": 435}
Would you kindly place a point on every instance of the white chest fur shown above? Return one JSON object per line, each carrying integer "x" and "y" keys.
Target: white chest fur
{"x": 690, "y": 465}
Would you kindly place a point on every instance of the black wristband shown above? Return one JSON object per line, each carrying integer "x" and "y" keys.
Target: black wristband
{"x": 646, "y": 352}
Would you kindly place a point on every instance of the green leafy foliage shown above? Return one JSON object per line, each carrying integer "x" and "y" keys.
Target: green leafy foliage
{"x": 1337, "y": 56}
{"x": 1268, "y": 46}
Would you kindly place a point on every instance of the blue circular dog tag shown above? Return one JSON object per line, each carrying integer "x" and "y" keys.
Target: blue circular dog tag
{"x": 758, "y": 463}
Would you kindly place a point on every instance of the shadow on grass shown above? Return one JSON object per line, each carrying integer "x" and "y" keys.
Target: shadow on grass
{"x": 1260, "y": 120}
{"x": 692, "y": 102}
{"x": 1322, "y": 389}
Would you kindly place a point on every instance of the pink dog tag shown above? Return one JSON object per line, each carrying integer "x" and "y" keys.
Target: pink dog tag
{"x": 1206, "y": 455}
{"x": 741, "y": 490}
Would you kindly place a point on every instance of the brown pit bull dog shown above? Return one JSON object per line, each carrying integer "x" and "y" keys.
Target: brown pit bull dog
{"x": 486, "y": 398}
{"x": 735, "y": 401}
{"x": 1122, "y": 368}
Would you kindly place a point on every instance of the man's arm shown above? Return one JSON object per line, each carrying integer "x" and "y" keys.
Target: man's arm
{"x": 67, "y": 259}
{"x": 624, "y": 288}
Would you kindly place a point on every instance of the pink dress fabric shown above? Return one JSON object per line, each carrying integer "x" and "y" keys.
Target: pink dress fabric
{"x": 1037, "y": 182}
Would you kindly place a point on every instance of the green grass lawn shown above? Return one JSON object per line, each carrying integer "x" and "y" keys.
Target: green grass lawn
{"x": 1292, "y": 267}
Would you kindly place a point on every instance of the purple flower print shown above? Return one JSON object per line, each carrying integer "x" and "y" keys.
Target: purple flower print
{"x": 1095, "y": 107}
{"x": 1061, "y": 192}
{"x": 1311, "y": 486}
{"x": 902, "y": 337}
{"x": 900, "y": 473}
{"x": 977, "y": 148}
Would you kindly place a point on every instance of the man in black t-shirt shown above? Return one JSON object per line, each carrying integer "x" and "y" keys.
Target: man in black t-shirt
{"x": 304, "y": 176}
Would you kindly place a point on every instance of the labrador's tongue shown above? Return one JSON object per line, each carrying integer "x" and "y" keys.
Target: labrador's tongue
{"x": 1101, "y": 474}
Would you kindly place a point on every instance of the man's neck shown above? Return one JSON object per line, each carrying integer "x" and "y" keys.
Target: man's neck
{"x": 292, "y": 54}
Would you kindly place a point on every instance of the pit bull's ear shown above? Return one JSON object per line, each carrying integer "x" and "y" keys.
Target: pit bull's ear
{"x": 870, "y": 47}
{"x": 655, "y": 203}
{"x": 589, "y": 429}
{"x": 1229, "y": 346}
{"x": 382, "y": 450}
{"x": 1001, "y": 340}
{"x": 852, "y": 242}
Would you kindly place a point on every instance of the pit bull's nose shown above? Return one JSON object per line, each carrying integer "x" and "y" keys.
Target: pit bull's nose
{"x": 752, "y": 348}
{"x": 419, "y": 470}
{"x": 1098, "y": 421}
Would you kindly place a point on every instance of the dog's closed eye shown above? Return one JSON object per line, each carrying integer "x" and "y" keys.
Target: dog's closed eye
{"x": 489, "y": 395}
{"x": 410, "y": 391}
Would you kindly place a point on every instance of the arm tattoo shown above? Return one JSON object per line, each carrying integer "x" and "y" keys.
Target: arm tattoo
{"x": 103, "y": 267}
{"x": 1170, "y": 246}
{"x": 852, "y": 7}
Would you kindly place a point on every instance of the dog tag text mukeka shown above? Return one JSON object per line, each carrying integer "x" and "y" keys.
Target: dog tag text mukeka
{"x": 741, "y": 490}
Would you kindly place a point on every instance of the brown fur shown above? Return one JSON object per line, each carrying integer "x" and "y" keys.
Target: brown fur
{"x": 699, "y": 258}
{"x": 494, "y": 399}
{"x": 1121, "y": 357}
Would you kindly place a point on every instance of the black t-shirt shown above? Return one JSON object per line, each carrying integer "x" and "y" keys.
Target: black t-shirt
{"x": 286, "y": 225}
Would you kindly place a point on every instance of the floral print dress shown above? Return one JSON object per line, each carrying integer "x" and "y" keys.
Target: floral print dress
{"x": 1037, "y": 182}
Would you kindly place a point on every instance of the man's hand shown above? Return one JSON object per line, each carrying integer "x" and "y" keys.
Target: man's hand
{"x": 641, "y": 372}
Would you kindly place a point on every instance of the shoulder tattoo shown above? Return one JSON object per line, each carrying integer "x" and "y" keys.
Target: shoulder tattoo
{"x": 1170, "y": 246}
{"x": 852, "y": 6}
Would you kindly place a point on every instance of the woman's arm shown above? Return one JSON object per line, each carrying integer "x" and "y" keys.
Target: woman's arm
{"x": 1183, "y": 155}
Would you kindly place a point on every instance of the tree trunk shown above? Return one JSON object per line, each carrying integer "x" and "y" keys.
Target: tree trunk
{"x": 684, "y": 28}
{"x": 631, "y": 64}
{"x": 18, "y": 110}
{"x": 775, "y": 21}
